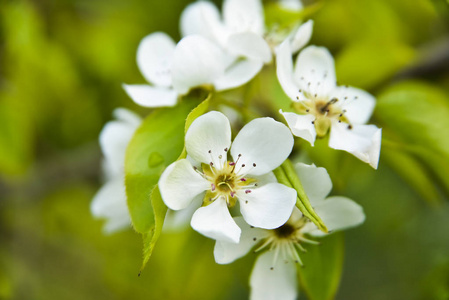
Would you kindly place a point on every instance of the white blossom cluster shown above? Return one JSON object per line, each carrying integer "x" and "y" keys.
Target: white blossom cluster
{"x": 228, "y": 187}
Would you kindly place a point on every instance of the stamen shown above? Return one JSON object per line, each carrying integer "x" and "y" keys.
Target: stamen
{"x": 325, "y": 107}
{"x": 303, "y": 239}
{"x": 265, "y": 244}
{"x": 212, "y": 187}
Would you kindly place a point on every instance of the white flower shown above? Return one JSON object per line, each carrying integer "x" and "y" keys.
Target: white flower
{"x": 241, "y": 31}
{"x": 261, "y": 146}
{"x": 324, "y": 106}
{"x": 110, "y": 200}
{"x": 274, "y": 273}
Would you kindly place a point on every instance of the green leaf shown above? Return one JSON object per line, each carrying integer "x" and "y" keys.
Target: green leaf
{"x": 155, "y": 214}
{"x": 157, "y": 143}
{"x": 150, "y": 238}
{"x": 412, "y": 171}
{"x": 417, "y": 116}
{"x": 323, "y": 265}
{"x": 197, "y": 111}
{"x": 286, "y": 175}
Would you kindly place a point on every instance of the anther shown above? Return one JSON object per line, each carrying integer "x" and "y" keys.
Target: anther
{"x": 316, "y": 95}
{"x": 254, "y": 164}
{"x": 246, "y": 202}
{"x": 307, "y": 110}
{"x": 232, "y": 194}
{"x": 247, "y": 191}
{"x": 242, "y": 179}
{"x": 349, "y": 127}
{"x": 313, "y": 122}
{"x": 272, "y": 268}
{"x": 211, "y": 164}
{"x": 254, "y": 239}
{"x": 243, "y": 165}
{"x": 210, "y": 151}
{"x": 220, "y": 156}
{"x": 297, "y": 97}
{"x": 225, "y": 149}
{"x": 232, "y": 163}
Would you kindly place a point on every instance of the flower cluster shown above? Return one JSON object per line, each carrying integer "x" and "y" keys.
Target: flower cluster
{"x": 229, "y": 189}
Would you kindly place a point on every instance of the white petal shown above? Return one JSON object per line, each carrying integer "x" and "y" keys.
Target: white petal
{"x": 302, "y": 36}
{"x": 197, "y": 61}
{"x": 273, "y": 281}
{"x": 284, "y": 70}
{"x": 362, "y": 141}
{"x": 338, "y": 213}
{"x": 250, "y": 45}
{"x": 225, "y": 252}
{"x": 315, "y": 65}
{"x": 244, "y": 15}
{"x": 110, "y": 203}
{"x": 359, "y": 105}
{"x": 238, "y": 74}
{"x": 301, "y": 126}
{"x": 268, "y": 206}
{"x": 263, "y": 142}
{"x": 114, "y": 138}
{"x": 316, "y": 181}
{"x": 209, "y": 132}
{"x": 177, "y": 220}
{"x": 265, "y": 178}
{"x": 203, "y": 18}
{"x": 180, "y": 184}
{"x": 154, "y": 58}
{"x": 215, "y": 222}
{"x": 151, "y": 96}
{"x": 127, "y": 116}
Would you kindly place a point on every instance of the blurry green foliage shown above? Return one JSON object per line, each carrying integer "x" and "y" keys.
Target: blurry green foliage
{"x": 415, "y": 117}
{"x": 323, "y": 266}
{"x": 61, "y": 68}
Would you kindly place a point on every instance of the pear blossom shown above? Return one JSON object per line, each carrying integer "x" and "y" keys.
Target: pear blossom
{"x": 321, "y": 106}
{"x": 241, "y": 30}
{"x": 223, "y": 175}
{"x": 173, "y": 69}
{"x": 110, "y": 200}
{"x": 274, "y": 273}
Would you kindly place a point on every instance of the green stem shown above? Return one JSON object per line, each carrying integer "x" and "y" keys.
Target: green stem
{"x": 286, "y": 175}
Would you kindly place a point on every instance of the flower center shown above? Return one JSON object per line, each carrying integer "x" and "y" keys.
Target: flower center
{"x": 285, "y": 231}
{"x": 324, "y": 110}
{"x": 286, "y": 240}
{"x": 226, "y": 178}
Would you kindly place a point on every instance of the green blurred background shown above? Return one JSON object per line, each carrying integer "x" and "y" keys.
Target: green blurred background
{"x": 62, "y": 63}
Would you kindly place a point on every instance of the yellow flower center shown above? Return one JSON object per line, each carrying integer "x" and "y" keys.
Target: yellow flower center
{"x": 324, "y": 110}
